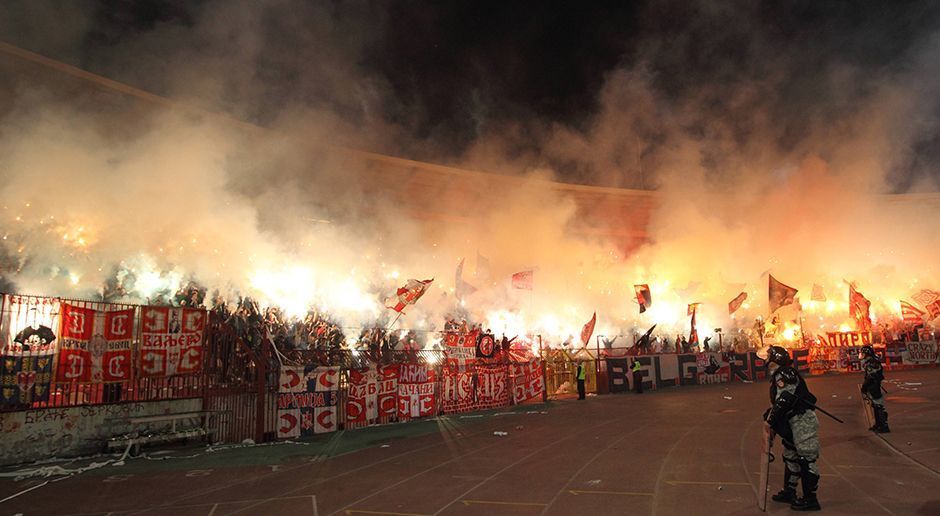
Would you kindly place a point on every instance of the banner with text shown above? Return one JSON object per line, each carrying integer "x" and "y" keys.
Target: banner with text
{"x": 372, "y": 396}
{"x": 306, "y": 401}
{"x": 95, "y": 346}
{"x": 527, "y": 381}
{"x": 172, "y": 340}
{"x": 415, "y": 391}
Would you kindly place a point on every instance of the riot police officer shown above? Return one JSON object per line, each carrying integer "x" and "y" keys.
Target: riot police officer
{"x": 871, "y": 388}
{"x": 794, "y": 420}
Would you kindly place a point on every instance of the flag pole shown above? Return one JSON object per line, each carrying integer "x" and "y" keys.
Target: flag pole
{"x": 389, "y": 327}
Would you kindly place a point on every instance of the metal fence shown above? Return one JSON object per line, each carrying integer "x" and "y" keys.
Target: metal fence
{"x": 237, "y": 379}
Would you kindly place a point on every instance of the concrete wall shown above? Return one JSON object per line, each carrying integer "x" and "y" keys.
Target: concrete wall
{"x": 66, "y": 432}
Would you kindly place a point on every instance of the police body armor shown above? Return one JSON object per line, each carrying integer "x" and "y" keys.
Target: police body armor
{"x": 788, "y": 405}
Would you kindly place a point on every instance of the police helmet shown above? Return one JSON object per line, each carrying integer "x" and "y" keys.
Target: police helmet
{"x": 778, "y": 355}
{"x": 867, "y": 352}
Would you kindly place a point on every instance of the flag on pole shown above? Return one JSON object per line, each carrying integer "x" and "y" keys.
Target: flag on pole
{"x": 461, "y": 287}
{"x": 779, "y": 294}
{"x": 858, "y": 309}
{"x": 818, "y": 294}
{"x": 523, "y": 280}
{"x": 934, "y": 309}
{"x": 925, "y": 297}
{"x": 690, "y": 310}
{"x": 911, "y": 314}
{"x": 643, "y": 296}
{"x": 408, "y": 294}
{"x": 736, "y": 303}
{"x": 483, "y": 266}
{"x": 588, "y": 330}
{"x": 693, "y": 333}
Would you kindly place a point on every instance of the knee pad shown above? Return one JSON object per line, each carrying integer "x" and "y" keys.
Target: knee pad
{"x": 807, "y": 466}
{"x": 793, "y": 465}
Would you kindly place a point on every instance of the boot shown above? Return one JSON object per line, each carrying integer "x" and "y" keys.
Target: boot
{"x": 881, "y": 421}
{"x": 808, "y": 502}
{"x": 788, "y": 493}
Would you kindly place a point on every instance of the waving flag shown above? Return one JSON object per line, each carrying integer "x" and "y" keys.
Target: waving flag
{"x": 408, "y": 295}
{"x": 934, "y": 309}
{"x": 692, "y": 308}
{"x": 818, "y": 294}
{"x": 693, "y": 333}
{"x": 858, "y": 309}
{"x": 588, "y": 330}
{"x": 523, "y": 280}
{"x": 736, "y": 302}
{"x": 779, "y": 294}
{"x": 926, "y": 297}
{"x": 461, "y": 287}
{"x": 911, "y": 314}
{"x": 643, "y": 296}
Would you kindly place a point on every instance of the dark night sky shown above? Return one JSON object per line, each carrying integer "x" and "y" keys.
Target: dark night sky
{"x": 449, "y": 75}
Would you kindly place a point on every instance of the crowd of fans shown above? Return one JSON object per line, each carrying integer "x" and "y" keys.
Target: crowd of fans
{"x": 320, "y": 336}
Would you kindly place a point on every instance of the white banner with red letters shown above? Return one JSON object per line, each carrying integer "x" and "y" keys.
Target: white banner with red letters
{"x": 415, "y": 391}
{"x": 527, "y": 381}
{"x": 372, "y": 397}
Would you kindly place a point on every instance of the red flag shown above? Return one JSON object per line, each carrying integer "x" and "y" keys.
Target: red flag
{"x": 779, "y": 294}
{"x": 934, "y": 309}
{"x": 588, "y": 330}
{"x": 693, "y": 333}
{"x": 523, "y": 280}
{"x": 692, "y": 308}
{"x": 736, "y": 302}
{"x": 858, "y": 309}
{"x": 911, "y": 314}
{"x": 818, "y": 294}
{"x": 643, "y": 296}
{"x": 408, "y": 295}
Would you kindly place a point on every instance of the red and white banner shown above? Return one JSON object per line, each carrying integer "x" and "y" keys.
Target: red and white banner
{"x": 415, "y": 391}
{"x": 933, "y": 309}
{"x": 457, "y": 390}
{"x": 926, "y": 297}
{"x": 372, "y": 397}
{"x": 492, "y": 387}
{"x": 306, "y": 402}
{"x": 95, "y": 346}
{"x": 527, "y": 381}
{"x": 478, "y": 388}
{"x": 172, "y": 340}
{"x": 911, "y": 314}
{"x": 460, "y": 348}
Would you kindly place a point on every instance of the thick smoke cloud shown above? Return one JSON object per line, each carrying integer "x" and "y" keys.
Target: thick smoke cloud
{"x": 768, "y": 139}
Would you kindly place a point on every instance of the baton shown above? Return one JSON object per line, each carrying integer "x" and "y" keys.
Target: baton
{"x": 821, "y": 410}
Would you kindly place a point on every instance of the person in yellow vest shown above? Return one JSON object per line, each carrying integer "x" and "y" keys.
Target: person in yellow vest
{"x": 581, "y": 375}
{"x": 637, "y": 377}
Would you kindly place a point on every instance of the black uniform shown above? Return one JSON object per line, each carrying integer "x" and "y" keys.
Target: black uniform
{"x": 871, "y": 389}
{"x": 794, "y": 420}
